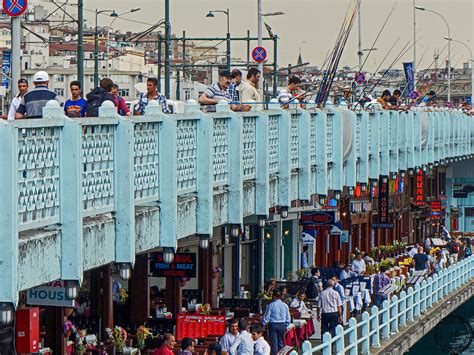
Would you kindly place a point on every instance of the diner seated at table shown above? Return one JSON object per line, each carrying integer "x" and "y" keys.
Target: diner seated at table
{"x": 168, "y": 345}
{"x": 298, "y": 302}
{"x": 268, "y": 292}
{"x": 358, "y": 264}
{"x": 214, "y": 349}
{"x": 346, "y": 273}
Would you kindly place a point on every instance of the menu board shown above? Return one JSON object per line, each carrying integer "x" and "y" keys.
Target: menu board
{"x": 197, "y": 326}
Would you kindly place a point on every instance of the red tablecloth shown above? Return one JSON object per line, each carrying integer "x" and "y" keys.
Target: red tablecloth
{"x": 304, "y": 333}
{"x": 291, "y": 338}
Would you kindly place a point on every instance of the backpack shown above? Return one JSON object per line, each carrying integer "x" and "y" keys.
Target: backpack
{"x": 468, "y": 251}
{"x": 312, "y": 288}
{"x": 95, "y": 99}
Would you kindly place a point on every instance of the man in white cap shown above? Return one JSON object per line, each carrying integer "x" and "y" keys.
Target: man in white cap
{"x": 32, "y": 102}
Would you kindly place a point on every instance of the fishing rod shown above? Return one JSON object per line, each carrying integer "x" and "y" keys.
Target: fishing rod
{"x": 378, "y": 35}
{"x": 400, "y": 54}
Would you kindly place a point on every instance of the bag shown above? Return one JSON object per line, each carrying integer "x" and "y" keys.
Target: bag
{"x": 455, "y": 247}
{"x": 312, "y": 288}
{"x": 468, "y": 251}
{"x": 95, "y": 99}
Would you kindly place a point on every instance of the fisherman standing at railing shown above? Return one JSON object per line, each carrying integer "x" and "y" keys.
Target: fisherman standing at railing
{"x": 218, "y": 92}
{"x": 22, "y": 90}
{"x": 32, "y": 103}
{"x": 151, "y": 94}
{"x": 249, "y": 90}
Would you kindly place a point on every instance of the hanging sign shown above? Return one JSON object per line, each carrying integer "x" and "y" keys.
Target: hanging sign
{"x": 50, "y": 294}
{"x": 308, "y": 236}
{"x": 435, "y": 209}
{"x": 419, "y": 189}
{"x": 318, "y": 220}
{"x": 384, "y": 213}
{"x": 183, "y": 265}
{"x": 15, "y": 8}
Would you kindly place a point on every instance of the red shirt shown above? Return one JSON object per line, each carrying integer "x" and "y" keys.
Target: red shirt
{"x": 163, "y": 350}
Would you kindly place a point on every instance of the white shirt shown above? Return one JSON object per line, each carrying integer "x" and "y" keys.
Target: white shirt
{"x": 226, "y": 341}
{"x": 13, "y": 107}
{"x": 296, "y": 303}
{"x": 261, "y": 347}
{"x": 243, "y": 344}
{"x": 329, "y": 301}
{"x": 358, "y": 266}
{"x": 412, "y": 252}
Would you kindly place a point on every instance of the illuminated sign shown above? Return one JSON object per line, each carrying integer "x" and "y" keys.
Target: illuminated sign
{"x": 384, "y": 207}
{"x": 419, "y": 189}
{"x": 183, "y": 265}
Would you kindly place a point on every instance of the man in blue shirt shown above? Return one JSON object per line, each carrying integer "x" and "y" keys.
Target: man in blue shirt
{"x": 277, "y": 316}
{"x": 76, "y": 105}
{"x": 304, "y": 257}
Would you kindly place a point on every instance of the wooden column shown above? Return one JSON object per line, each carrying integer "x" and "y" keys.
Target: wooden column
{"x": 140, "y": 291}
{"x": 54, "y": 320}
{"x": 174, "y": 297}
{"x": 205, "y": 274}
{"x": 101, "y": 295}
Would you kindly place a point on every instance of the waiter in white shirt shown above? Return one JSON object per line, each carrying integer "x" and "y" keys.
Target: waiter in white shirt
{"x": 229, "y": 337}
{"x": 260, "y": 346}
{"x": 22, "y": 89}
{"x": 243, "y": 343}
{"x": 358, "y": 264}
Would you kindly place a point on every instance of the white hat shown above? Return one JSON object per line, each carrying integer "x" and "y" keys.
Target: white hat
{"x": 40, "y": 77}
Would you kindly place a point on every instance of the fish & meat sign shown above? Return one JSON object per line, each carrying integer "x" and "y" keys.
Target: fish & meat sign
{"x": 384, "y": 212}
{"x": 183, "y": 265}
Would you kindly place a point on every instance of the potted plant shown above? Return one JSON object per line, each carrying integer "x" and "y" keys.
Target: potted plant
{"x": 119, "y": 337}
{"x": 142, "y": 333}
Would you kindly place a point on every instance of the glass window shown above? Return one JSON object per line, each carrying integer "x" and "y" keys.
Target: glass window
{"x": 59, "y": 91}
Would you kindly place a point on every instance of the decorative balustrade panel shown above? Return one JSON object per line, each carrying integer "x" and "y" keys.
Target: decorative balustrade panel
{"x": 145, "y": 159}
{"x": 329, "y": 138}
{"x": 98, "y": 169}
{"x": 187, "y": 155}
{"x": 312, "y": 139}
{"x": 294, "y": 138}
{"x": 249, "y": 146}
{"x": 357, "y": 133}
{"x": 273, "y": 134}
{"x": 38, "y": 176}
{"x": 221, "y": 147}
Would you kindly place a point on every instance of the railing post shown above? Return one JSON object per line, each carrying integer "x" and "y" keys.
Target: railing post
{"x": 416, "y": 300}
{"x": 353, "y": 336}
{"x": 410, "y": 299}
{"x": 9, "y": 217}
{"x": 365, "y": 331}
{"x": 306, "y": 348}
{"x": 423, "y": 296}
{"x": 204, "y": 179}
{"x": 374, "y": 326}
{"x": 394, "y": 313}
{"x": 235, "y": 174}
{"x": 327, "y": 349}
{"x": 340, "y": 349}
{"x": 284, "y": 160}
{"x": 403, "y": 308}
{"x": 262, "y": 167}
{"x": 304, "y": 164}
{"x": 385, "y": 320}
{"x": 70, "y": 194}
{"x": 168, "y": 189}
{"x": 124, "y": 193}
{"x": 429, "y": 292}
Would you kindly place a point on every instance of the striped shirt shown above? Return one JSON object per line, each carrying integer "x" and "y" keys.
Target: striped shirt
{"x": 32, "y": 103}
{"x": 329, "y": 301}
{"x": 215, "y": 92}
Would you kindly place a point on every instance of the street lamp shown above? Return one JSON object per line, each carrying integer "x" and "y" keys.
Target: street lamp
{"x": 96, "y": 43}
{"x": 449, "y": 46}
{"x": 227, "y": 12}
{"x": 471, "y": 59}
{"x": 116, "y": 16}
{"x": 260, "y": 16}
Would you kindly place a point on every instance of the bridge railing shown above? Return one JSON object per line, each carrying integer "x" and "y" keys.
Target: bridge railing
{"x": 382, "y": 323}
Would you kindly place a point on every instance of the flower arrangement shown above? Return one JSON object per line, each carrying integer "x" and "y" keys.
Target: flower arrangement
{"x": 204, "y": 309}
{"x": 301, "y": 273}
{"x": 388, "y": 262}
{"x": 434, "y": 251}
{"x": 143, "y": 333}
{"x": 122, "y": 296}
{"x": 118, "y": 337}
{"x": 69, "y": 330}
{"x": 406, "y": 262}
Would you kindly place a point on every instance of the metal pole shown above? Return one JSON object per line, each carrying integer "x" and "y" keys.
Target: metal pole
{"x": 184, "y": 55}
{"x": 359, "y": 22}
{"x": 167, "y": 48}
{"x": 80, "y": 43}
{"x": 108, "y": 51}
{"x": 260, "y": 41}
{"x": 248, "y": 49}
{"x": 159, "y": 62}
{"x": 96, "y": 52}
{"x": 449, "y": 61}
{"x": 228, "y": 39}
{"x": 178, "y": 86}
{"x": 414, "y": 43}
{"x": 260, "y": 258}
{"x": 15, "y": 56}
{"x": 275, "y": 66}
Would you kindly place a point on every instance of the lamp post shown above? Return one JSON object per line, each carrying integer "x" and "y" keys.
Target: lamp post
{"x": 227, "y": 12}
{"x": 471, "y": 59}
{"x": 135, "y": 9}
{"x": 96, "y": 44}
{"x": 449, "y": 46}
